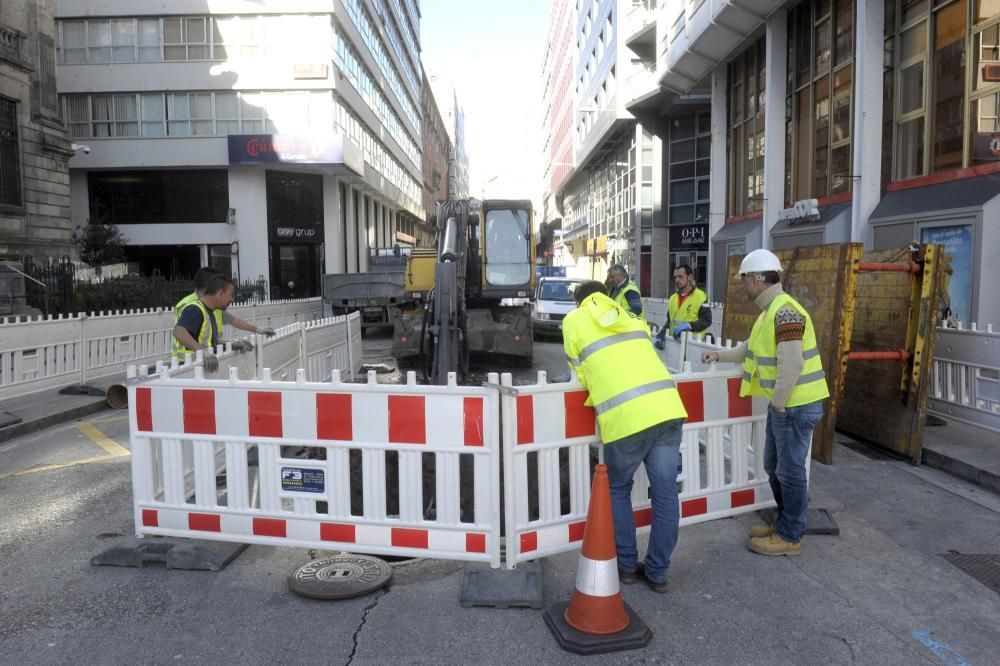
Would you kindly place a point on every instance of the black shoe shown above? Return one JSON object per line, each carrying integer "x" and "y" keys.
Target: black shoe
{"x": 629, "y": 577}
{"x": 654, "y": 586}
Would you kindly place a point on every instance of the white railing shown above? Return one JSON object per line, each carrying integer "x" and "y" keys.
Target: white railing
{"x": 965, "y": 378}
{"x": 43, "y": 353}
{"x": 655, "y": 311}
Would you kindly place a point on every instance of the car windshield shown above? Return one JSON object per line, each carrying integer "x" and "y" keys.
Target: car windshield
{"x": 557, "y": 291}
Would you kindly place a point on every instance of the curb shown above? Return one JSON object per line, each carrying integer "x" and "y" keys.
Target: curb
{"x": 960, "y": 469}
{"x": 28, "y": 427}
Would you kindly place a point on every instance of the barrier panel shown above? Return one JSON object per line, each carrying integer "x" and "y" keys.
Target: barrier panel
{"x": 547, "y": 436}
{"x": 655, "y": 310}
{"x": 338, "y": 465}
{"x": 965, "y": 380}
{"x": 51, "y": 352}
{"x": 688, "y": 349}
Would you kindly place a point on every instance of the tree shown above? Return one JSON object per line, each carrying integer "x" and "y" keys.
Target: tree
{"x": 101, "y": 244}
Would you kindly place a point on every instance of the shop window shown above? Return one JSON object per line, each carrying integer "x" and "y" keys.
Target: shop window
{"x": 745, "y": 178}
{"x": 158, "y": 197}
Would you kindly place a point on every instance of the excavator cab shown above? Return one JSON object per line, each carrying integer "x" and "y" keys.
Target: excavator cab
{"x": 507, "y": 250}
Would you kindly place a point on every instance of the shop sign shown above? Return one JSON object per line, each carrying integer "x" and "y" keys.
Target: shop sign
{"x": 693, "y": 237}
{"x": 957, "y": 242}
{"x": 293, "y": 149}
{"x": 806, "y": 210}
{"x": 986, "y": 146}
{"x": 295, "y": 233}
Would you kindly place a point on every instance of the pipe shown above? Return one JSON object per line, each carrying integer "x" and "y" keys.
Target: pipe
{"x": 899, "y": 355}
{"x": 883, "y": 267}
{"x": 117, "y": 396}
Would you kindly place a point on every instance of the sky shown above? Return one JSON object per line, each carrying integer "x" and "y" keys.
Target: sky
{"x": 492, "y": 52}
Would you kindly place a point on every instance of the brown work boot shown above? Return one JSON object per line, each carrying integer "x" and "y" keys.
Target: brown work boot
{"x": 758, "y": 531}
{"x": 775, "y": 545}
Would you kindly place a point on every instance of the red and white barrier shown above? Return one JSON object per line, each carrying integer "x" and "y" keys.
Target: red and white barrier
{"x": 547, "y": 427}
{"x": 307, "y": 501}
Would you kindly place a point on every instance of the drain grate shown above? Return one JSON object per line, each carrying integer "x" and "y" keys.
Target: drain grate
{"x": 984, "y": 568}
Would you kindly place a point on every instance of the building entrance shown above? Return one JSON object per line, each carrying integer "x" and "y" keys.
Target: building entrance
{"x": 295, "y": 232}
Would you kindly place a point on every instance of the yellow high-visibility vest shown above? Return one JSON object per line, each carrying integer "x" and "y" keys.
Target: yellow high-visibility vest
{"x": 689, "y": 310}
{"x": 204, "y": 336}
{"x": 611, "y": 352}
{"x": 623, "y": 303}
{"x": 193, "y": 298}
{"x": 760, "y": 367}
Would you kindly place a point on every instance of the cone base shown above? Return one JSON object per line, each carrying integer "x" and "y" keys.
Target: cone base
{"x": 637, "y": 634}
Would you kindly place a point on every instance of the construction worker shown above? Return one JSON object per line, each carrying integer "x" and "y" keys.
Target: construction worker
{"x": 687, "y": 309}
{"x": 222, "y": 317}
{"x": 640, "y": 415}
{"x": 782, "y": 363}
{"x": 197, "y": 327}
{"x": 623, "y": 291}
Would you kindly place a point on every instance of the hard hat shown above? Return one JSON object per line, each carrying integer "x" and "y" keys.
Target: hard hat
{"x": 760, "y": 261}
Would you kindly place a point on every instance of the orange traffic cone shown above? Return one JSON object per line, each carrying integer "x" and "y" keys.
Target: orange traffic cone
{"x": 597, "y": 619}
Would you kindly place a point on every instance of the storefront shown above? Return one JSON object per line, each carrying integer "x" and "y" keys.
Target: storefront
{"x": 295, "y": 233}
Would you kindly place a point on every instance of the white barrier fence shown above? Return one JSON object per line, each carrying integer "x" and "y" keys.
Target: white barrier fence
{"x": 722, "y": 461}
{"x": 339, "y": 466}
{"x": 655, "y": 310}
{"x": 51, "y": 352}
{"x": 411, "y": 470}
{"x": 965, "y": 378}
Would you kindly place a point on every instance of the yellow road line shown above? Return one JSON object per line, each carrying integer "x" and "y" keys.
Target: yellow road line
{"x": 46, "y": 468}
{"x": 92, "y": 433}
{"x": 111, "y": 419}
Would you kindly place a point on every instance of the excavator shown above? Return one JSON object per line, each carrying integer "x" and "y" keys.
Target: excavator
{"x": 473, "y": 289}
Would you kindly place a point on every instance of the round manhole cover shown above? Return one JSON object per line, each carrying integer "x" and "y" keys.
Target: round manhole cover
{"x": 340, "y": 577}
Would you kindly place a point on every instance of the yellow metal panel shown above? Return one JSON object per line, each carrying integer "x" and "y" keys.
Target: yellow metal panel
{"x": 420, "y": 270}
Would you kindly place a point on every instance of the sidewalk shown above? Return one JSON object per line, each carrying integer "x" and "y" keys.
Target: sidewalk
{"x": 965, "y": 451}
{"x": 47, "y": 408}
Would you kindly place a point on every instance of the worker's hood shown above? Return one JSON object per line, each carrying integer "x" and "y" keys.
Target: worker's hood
{"x": 607, "y": 314}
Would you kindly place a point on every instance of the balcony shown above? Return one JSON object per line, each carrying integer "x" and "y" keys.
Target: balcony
{"x": 640, "y": 24}
{"x": 643, "y": 81}
{"x": 12, "y": 48}
{"x": 703, "y": 34}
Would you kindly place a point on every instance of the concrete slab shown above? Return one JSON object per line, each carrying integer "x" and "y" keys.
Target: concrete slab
{"x": 47, "y": 408}
{"x": 965, "y": 451}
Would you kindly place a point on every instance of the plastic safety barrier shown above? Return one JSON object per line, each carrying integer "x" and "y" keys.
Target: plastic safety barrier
{"x": 548, "y": 433}
{"x": 965, "y": 380}
{"x": 319, "y": 465}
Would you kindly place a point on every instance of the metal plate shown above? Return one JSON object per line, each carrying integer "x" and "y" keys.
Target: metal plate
{"x": 340, "y": 577}
{"x": 984, "y": 568}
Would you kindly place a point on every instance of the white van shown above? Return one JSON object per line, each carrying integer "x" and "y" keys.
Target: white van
{"x": 553, "y": 300}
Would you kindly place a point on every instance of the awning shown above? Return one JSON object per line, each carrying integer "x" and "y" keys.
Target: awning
{"x": 968, "y": 193}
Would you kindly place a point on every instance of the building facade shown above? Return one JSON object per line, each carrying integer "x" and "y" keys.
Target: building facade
{"x": 278, "y": 139}
{"x": 604, "y": 194}
{"x": 437, "y": 152}
{"x": 833, "y": 121}
{"x": 34, "y": 146}
{"x": 454, "y": 122}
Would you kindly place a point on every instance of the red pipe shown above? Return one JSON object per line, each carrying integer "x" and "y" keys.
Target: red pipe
{"x": 876, "y": 266}
{"x": 899, "y": 355}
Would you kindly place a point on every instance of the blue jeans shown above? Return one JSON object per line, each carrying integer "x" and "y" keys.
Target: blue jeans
{"x": 659, "y": 448}
{"x": 786, "y": 445}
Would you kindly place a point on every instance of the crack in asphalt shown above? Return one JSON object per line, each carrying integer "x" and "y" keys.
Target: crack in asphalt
{"x": 364, "y": 618}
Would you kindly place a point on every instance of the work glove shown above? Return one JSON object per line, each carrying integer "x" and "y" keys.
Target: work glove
{"x": 659, "y": 342}
{"x": 680, "y": 328}
{"x": 242, "y": 346}
{"x": 210, "y": 362}
{"x": 266, "y": 332}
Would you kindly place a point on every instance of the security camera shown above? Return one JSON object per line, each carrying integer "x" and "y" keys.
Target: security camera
{"x": 79, "y": 146}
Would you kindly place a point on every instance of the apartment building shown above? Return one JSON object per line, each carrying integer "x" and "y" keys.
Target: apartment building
{"x": 832, "y": 121}
{"x": 273, "y": 139}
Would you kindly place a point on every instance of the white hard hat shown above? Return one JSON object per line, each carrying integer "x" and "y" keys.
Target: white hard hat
{"x": 760, "y": 261}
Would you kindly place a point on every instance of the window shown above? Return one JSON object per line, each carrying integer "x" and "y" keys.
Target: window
{"x": 185, "y": 39}
{"x": 158, "y": 197}
{"x": 745, "y": 178}
{"x": 689, "y": 158}
{"x": 984, "y": 108}
{"x": 10, "y": 157}
{"x": 819, "y": 101}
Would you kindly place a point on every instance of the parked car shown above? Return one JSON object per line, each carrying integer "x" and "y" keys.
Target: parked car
{"x": 553, "y": 300}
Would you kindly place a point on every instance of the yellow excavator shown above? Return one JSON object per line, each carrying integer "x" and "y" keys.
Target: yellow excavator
{"x": 474, "y": 289}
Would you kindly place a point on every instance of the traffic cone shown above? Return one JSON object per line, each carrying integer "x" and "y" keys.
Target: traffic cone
{"x": 596, "y": 619}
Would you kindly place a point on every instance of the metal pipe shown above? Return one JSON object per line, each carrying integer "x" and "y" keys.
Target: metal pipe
{"x": 117, "y": 396}
{"x": 884, "y": 267}
{"x": 899, "y": 355}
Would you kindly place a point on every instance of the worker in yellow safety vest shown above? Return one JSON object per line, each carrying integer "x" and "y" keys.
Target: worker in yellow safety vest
{"x": 221, "y": 317}
{"x": 781, "y": 362}
{"x": 687, "y": 309}
{"x": 640, "y": 415}
{"x": 623, "y": 291}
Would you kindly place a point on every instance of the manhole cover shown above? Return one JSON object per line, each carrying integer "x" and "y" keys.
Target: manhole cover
{"x": 984, "y": 568}
{"x": 340, "y": 577}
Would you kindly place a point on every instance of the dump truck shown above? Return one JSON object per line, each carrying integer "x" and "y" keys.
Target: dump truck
{"x": 374, "y": 292}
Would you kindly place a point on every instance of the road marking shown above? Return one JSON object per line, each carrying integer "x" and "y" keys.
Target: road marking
{"x": 111, "y": 419}
{"x": 46, "y": 468}
{"x": 92, "y": 433}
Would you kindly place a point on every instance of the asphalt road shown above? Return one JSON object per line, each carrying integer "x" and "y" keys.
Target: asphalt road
{"x": 880, "y": 593}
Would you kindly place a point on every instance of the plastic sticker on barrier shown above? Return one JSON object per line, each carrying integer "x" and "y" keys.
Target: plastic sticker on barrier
{"x": 548, "y": 435}
{"x": 402, "y": 470}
